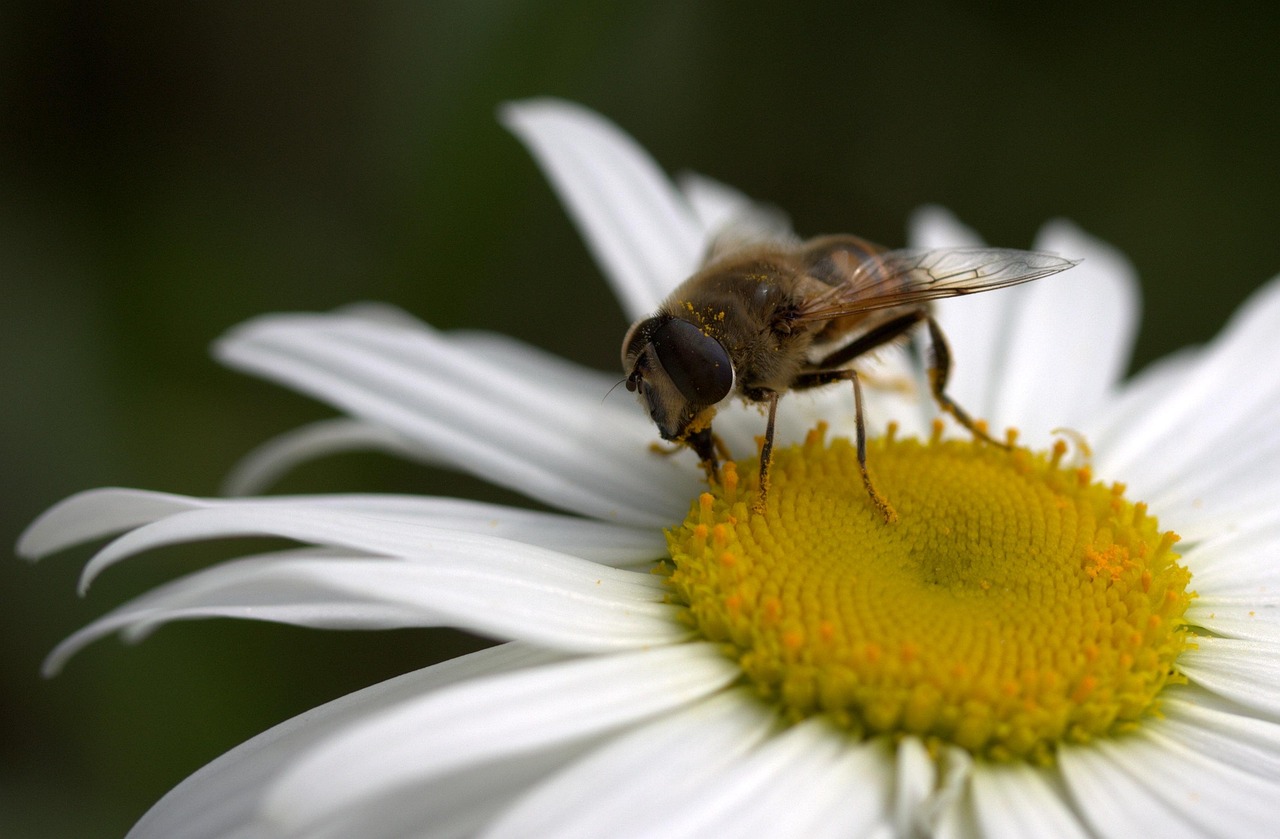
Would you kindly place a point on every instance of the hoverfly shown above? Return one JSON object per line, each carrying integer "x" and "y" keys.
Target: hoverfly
{"x": 763, "y": 319}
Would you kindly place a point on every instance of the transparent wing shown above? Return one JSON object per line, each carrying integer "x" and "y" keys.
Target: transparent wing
{"x": 903, "y": 277}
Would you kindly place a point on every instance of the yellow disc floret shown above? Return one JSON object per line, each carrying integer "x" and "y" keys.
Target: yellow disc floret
{"x": 1016, "y": 604}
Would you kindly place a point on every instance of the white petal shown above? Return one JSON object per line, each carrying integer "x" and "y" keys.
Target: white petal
{"x": 977, "y": 328}
{"x": 714, "y": 204}
{"x": 220, "y": 799}
{"x": 104, "y": 512}
{"x": 100, "y": 513}
{"x": 266, "y": 464}
{"x": 550, "y": 373}
{"x": 306, "y": 521}
{"x": 608, "y": 789}
{"x": 932, "y": 227}
{"x": 1228, "y": 487}
{"x": 1233, "y": 382}
{"x": 1246, "y": 671}
{"x": 489, "y": 719}
{"x": 1070, "y": 341}
{"x": 242, "y": 589}
{"x": 1246, "y": 743}
{"x": 916, "y": 777}
{"x": 1237, "y": 561}
{"x": 730, "y": 219}
{"x": 581, "y": 454}
{"x": 1148, "y": 784}
{"x": 96, "y": 513}
{"x": 1133, "y": 402}
{"x": 497, "y": 594}
{"x": 638, "y": 227}
{"x": 805, "y": 781}
{"x": 1014, "y": 799}
{"x": 1245, "y": 619}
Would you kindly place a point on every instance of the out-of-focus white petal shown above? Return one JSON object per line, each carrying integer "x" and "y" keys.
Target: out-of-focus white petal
{"x": 1150, "y": 784}
{"x": 1014, "y": 799}
{"x": 715, "y": 205}
{"x": 637, "y": 225}
{"x": 96, "y": 513}
{"x": 1006, "y": 345}
{"x": 731, "y": 220}
{"x": 1070, "y": 343}
{"x": 263, "y": 466}
{"x": 487, "y": 719}
{"x": 221, "y": 799}
{"x": 793, "y": 783}
{"x": 580, "y": 454}
{"x": 681, "y": 754}
{"x": 977, "y": 327}
{"x": 932, "y": 227}
{"x": 913, "y": 784}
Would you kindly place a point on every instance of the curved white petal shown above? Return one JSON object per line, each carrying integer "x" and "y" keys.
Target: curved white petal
{"x": 494, "y": 593}
{"x": 104, "y": 512}
{"x": 489, "y": 719}
{"x": 267, "y": 463}
{"x": 221, "y": 799}
{"x": 679, "y": 754}
{"x": 637, "y": 225}
{"x": 241, "y": 590}
{"x": 581, "y": 454}
{"x": 95, "y": 513}
{"x": 367, "y": 532}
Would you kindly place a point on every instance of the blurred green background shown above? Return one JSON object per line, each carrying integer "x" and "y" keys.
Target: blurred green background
{"x": 168, "y": 170}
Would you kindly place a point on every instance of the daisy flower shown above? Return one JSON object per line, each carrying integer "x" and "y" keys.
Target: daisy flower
{"x": 1077, "y": 636}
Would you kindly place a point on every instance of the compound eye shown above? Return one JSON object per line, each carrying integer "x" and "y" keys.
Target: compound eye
{"x": 697, "y": 364}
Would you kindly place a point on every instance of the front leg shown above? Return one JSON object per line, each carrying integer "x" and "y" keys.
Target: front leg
{"x": 704, "y": 444}
{"x": 766, "y": 448}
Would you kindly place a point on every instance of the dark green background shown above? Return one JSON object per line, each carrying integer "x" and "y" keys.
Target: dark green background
{"x": 167, "y": 171}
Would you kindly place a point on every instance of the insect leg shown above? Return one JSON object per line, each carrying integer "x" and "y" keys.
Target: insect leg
{"x": 703, "y": 443}
{"x": 823, "y": 377}
{"x": 939, "y": 372}
{"x": 766, "y": 451}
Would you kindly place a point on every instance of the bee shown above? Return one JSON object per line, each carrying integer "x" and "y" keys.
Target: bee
{"x": 761, "y": 319}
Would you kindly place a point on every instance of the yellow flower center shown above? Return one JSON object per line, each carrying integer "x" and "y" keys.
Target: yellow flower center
{"x": 1016, "y": 603}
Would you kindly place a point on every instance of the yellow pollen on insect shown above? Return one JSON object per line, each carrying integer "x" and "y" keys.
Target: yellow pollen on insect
{"x": 1015, "y": 605}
